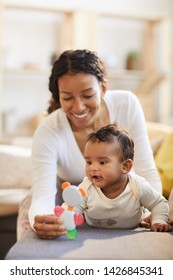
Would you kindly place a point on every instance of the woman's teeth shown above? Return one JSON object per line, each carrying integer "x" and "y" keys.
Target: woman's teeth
{"x": 81, "y": 116}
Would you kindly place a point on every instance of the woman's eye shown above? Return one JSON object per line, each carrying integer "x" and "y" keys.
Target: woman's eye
{"x": 88, "y": 96}
{"x": 67, "y": 99}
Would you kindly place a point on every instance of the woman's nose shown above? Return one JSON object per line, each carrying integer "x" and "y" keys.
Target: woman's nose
{"x": 78, "y": 106}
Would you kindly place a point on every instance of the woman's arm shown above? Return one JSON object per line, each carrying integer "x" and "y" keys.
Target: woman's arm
{"x": 144, "y": 163}
{"x": 125, "y": 108}
{"x": 44, "y": 169}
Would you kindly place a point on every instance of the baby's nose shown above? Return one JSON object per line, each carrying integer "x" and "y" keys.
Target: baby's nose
{"x": 94, "y": 166}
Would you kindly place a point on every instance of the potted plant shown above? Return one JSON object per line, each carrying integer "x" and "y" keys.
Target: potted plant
{"x": 133, "y": 60}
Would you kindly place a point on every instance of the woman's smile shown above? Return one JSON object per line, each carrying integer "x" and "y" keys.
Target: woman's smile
{"x": 80, "y": 97}
{"x": 80, "y": 116}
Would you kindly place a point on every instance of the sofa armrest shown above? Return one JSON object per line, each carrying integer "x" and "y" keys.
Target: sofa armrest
{"x": 158, "y": 129}
{"x": 10, "y": 200}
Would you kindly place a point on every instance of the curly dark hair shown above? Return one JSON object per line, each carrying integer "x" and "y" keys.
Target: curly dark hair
{"x": 111, "y": 133}
{"x": 73, "y": 62}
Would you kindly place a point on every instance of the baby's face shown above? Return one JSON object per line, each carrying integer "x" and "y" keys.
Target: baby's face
{"x": 103, "y": 163}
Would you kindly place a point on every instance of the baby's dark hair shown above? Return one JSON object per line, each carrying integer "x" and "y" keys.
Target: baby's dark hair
{"x": 111, "y": 133}
{"x": 73, "y": 62}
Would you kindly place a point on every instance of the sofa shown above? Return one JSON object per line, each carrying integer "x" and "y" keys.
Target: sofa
{"x": 15, "y": 183}
{"x": 91, "y": 243}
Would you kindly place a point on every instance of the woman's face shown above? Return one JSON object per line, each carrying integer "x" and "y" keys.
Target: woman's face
{"x": 80, "y": 97}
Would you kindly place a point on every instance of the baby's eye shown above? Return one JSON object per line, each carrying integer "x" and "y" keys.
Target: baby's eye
{"x": 103, "y": 162}
{"x": 88, "y": 162}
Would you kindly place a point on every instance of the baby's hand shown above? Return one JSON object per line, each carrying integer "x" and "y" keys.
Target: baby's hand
{"x": 161, "y": 227}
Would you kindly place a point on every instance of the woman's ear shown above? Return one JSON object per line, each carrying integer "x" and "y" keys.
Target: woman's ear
{"x": 127, "y": 165}
{"x": 104, "y": 86}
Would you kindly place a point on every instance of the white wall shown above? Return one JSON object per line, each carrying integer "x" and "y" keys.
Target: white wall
{"x": 30, "y": 38}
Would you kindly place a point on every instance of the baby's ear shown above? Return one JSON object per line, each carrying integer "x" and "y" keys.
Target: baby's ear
{"x": 127, "y": 165}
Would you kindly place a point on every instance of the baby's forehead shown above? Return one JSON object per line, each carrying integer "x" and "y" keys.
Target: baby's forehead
{"x": 101, "y": 147}
{"x": 97, "y": 142}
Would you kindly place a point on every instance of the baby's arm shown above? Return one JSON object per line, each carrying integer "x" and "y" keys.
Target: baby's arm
{"x": 81, "y": 207}
{"x": 158, "y": 206}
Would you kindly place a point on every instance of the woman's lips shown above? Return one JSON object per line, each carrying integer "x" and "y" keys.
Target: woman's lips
{"x": 80, "y": 116}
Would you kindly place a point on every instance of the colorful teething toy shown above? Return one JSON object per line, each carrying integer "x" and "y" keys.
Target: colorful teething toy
{"x": 72, "y": 196}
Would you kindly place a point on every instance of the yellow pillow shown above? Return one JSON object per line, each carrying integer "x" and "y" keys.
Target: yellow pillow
{"x": 164, "y": 163}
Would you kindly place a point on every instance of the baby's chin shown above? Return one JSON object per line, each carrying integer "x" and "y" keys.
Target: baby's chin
{"x": 97, "y": 181}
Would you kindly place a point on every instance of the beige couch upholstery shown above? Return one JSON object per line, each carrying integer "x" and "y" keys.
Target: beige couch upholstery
{"x": 15, "y": 182}
{"x": 158, "y": 133}
{"x": 161, "y": 137}
{"x": 15, "y": 176}
{"x": 156, "y": 130}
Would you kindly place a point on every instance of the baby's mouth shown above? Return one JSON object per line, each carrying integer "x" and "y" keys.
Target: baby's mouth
{"x": 96, "y": 177}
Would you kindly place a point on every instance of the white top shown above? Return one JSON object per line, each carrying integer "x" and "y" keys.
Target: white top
{"x": 124, "y": 211}
{"x": 55, "y": 152}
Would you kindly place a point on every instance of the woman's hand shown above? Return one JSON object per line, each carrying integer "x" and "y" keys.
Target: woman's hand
{"x": 49, "y": 226}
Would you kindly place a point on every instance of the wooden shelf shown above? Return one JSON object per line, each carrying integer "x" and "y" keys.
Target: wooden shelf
{"x": 48, "y": 6}
{"x": 76, "y": 5}
{"x": 126, "y": 74}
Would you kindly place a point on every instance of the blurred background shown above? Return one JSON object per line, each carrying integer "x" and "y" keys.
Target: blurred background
{"x": 134, "y": 38}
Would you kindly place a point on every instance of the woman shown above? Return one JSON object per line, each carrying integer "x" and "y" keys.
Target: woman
{"x": 80, "y": 104}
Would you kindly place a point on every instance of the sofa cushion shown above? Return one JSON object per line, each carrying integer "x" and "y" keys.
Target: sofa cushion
{"x": 10, "y": 200}
{"x": 96, "y": 244}
{"x": 15, "y": 162}
{"x": 164, "y": 163}
{"x": 156, "y": 142}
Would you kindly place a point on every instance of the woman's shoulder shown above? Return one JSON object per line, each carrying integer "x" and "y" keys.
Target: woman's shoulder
{"x": 120, "y": 95}
{"x": 119, "y": 102}
{"x": 55, "y": 120}
{"x": 55, "y": 124}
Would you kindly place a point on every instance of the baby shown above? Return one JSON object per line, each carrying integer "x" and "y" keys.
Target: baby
{"x": 115, "y": 196}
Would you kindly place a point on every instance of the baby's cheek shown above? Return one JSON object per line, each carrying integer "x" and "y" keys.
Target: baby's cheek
{"x": 87, "y": 172}
{"x": 86, "y": 169}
